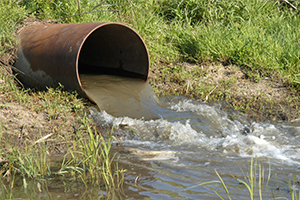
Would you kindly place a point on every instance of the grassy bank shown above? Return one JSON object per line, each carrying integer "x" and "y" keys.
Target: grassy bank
{"x": 257, "y": 37}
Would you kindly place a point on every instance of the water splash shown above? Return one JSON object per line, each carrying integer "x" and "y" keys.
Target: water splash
{"x": 207, "y": 129}
{"x": 179, "y": 123}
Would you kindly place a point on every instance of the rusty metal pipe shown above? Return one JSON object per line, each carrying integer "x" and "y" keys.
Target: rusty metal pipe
{"x": 49, "y": 54}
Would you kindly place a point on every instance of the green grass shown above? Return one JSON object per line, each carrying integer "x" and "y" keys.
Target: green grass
{"x": 10, "y": 16}
{"x": 93, "y": 154}
{"x": 255, "y": 35}
{"x": 259, "y": 36}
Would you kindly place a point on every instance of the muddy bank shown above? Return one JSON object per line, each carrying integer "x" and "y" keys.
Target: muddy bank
{"x": 262, "y": 98}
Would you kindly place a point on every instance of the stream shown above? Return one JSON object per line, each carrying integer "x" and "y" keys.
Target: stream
{"x": 172, "y": 155}
{"x": 172, "y": 145}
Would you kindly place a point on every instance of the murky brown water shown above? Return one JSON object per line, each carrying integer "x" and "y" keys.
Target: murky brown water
{"x": 122, "y": 96}
{"x": 176, "y": 143}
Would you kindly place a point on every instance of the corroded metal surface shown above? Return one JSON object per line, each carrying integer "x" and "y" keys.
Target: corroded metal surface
{"x": 49, "y": 54}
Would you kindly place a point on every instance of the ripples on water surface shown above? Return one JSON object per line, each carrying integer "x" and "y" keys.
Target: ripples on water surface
{"x": 174, "y": 144}
{"x": 180, "y": 143}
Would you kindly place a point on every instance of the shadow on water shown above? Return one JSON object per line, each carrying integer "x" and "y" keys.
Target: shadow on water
{"x": 169, "y": 146}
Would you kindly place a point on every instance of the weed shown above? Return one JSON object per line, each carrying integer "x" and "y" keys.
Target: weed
{"x": 255, "y": 185}
{"x": 88, "y": 158}
{"x": 93, "y": 155}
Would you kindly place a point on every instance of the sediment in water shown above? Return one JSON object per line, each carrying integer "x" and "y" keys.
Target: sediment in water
{"x": 122, "y": 96}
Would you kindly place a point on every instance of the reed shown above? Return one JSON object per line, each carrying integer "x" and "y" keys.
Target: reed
{"x": 294, "y": 186}
{"x": 255, "y": 181}
{"x": 91, "y": 158}
{"x": 88, "y": 160}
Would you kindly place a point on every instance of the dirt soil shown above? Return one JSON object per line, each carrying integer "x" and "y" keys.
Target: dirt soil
{"x": 265, "y": 99}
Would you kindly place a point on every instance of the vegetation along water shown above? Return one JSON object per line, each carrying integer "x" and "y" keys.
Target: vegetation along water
{"x": 228, "y": 79}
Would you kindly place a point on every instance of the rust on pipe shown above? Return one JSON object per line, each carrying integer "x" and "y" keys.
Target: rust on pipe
{"x": 49, "y": 54}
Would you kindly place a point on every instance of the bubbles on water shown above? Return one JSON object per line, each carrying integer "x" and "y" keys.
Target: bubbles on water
{"x": 204, "y": 129}
{"x": 185, "y": 124}
{"x": 153, "y": 130}
{"x": 213, "y": 119}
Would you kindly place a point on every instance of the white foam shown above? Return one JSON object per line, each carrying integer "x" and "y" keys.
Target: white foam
{"x": 263, "y": 139}
{"x": 153, "y": 129}
{"x": 213, "y": 115}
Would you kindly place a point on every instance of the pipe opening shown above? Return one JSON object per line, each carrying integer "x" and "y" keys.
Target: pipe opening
{"x": 114, "y": 49}
{"x": 60, "y": 53}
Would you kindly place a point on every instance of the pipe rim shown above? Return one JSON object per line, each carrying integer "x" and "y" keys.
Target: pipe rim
{"x": 92, "y": 31}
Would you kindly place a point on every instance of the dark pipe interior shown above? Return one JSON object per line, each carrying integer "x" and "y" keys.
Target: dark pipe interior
{"x": 116, "y": 50}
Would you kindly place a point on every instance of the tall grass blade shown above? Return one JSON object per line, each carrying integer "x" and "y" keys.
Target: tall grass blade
{"x": 259, "y": 181}
{"x": 248, "y": 187}
{"x": 269, "y": 174}
{"x": 223, "y": 184}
